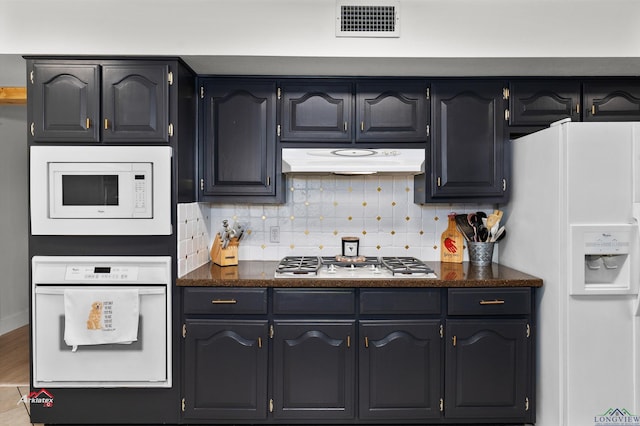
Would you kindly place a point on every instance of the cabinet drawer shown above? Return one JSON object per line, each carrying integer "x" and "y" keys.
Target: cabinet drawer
{"x": 403, "y": 301}
{"x": 313, "y": 301}
{"x": 489, "y": 301}
{"x": 225, "y": 301}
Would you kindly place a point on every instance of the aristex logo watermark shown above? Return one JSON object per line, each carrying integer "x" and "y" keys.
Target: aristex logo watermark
{"x": 42, "y": 397}
{"x": 616, "y": 416}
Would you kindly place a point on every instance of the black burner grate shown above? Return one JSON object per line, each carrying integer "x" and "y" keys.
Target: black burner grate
{"x": 406, "y": 265}
{"x": 299, "y": 265}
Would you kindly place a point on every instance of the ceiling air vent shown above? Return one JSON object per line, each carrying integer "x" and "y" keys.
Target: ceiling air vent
{"x": 368, "y": 19}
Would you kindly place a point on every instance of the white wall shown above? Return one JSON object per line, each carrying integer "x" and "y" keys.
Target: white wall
{"x": 14, "y": 262}
{"x": 432, "y": 31}
{"x": 430, "y": 28}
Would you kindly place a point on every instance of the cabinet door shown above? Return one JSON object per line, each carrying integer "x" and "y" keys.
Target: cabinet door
{"x": 316, "y": 112}
{"x": 468, "y": 134}
{"x": 135, "y": 103}
{"x": 225, "y": 369}
{"x": 400, "y": 369}
{"x": 392, "y": 111}
{"x": 486, "y": 369}
{"x": 239, "y": 138}
{"x": 611, "y": 101}
{"x": 313, "y": 370}
{"x": 64, "y": 102}
{"x": 541, "y": 102}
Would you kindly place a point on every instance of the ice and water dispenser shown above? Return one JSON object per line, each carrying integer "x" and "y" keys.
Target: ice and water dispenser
{"x": 602, "y": 259}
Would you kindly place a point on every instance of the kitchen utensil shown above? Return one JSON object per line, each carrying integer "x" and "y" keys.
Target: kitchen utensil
{"x": 477, "y": 222}
{"x": 451, "y": 242}
{"x": 492, "y": 219}
{"x": 472, "y": 220}
{"x": 225, "y": 234}
{"x": 238, "y": 229}
{"x": 240, "y": 232}
{"x": 463, "y": 226}
{"x": 483, "y": 234}
{"x": 498, "y": 235}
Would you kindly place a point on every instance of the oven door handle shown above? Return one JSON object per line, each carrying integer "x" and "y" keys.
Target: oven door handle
{"x": 142, "y": 291}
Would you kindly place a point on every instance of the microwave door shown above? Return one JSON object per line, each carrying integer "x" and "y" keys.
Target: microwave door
{"x": 96, "y": 191}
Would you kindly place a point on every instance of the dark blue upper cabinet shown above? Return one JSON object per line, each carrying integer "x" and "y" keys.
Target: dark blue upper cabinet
{"x": 541, "y": 102}
{"x": 135, "y": 103}
{"x": 392, "y": 111}
{"x": 613, "y": 100}
{"x": 99, "y": 101}
{"x": 238, "y": 141}
{"x": 467, "y": 153}
{"x": 64, "y": 102}
{"x": 316, "y": 111}
{"x": 380, "y": 112}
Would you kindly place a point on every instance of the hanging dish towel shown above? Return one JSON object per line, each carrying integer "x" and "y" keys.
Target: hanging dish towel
{"x": 100, "y": 316}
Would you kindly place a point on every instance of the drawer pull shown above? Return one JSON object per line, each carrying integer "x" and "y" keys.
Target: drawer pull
{"x": 224, "y": 301}
{"x": 492, "y": 302}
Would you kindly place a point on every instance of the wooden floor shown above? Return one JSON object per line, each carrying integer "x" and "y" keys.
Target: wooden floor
{"x": 14, "y": 357}
{"x": 14, "y": 378}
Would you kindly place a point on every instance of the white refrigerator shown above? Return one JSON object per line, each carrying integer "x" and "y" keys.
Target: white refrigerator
{"x": 572, "y": 221}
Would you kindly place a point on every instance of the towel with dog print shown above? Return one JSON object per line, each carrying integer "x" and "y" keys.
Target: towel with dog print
{"x": 100, "y": 316}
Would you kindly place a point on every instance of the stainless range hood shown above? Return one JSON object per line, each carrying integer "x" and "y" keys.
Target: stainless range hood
{"x": 353, "y": 161}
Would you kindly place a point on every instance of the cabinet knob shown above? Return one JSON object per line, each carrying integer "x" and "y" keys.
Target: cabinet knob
{"x": 106, "y": 124}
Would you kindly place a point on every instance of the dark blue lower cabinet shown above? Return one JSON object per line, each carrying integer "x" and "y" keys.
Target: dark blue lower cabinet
{"x": 225, "y": 369}
{"x": 318, "y": 356}
{"x": 400, "y": 369}
{"x": 487, "y": 369}
{"x": 313, "y": 369}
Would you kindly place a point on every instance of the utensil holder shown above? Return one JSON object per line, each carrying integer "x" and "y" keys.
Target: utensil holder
{"x": 227, "y": 256}
{"x": 480, "y": 253}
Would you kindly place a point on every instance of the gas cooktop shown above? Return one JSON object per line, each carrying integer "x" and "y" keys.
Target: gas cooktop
{"x": 339, "y": 267}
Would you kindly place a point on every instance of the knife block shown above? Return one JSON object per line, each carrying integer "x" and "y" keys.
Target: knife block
{"x": 227, "y": 256}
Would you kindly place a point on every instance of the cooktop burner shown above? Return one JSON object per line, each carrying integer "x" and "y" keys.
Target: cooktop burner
{"x": 299, "y": 265}
{"x": 363, "y": 267}
{"x": 406, "y": 265}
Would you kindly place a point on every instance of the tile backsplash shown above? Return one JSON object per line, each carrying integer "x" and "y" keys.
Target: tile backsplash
{"x": 194, "y": 236}
{"x": 319, "y": 211}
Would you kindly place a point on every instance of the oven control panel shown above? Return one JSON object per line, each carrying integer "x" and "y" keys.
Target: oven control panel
{"x": 93, "y": 273}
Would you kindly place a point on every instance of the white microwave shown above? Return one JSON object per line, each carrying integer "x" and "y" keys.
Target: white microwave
{"x": 100, "y": 190}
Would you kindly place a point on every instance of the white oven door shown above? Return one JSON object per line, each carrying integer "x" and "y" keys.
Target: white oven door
{"x": 144, "y": 363}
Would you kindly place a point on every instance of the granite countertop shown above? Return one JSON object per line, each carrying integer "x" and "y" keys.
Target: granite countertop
{"x": 255, "y": 273}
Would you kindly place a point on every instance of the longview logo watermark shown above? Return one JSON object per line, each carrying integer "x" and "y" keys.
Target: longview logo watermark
{"x": 616, "y": 416}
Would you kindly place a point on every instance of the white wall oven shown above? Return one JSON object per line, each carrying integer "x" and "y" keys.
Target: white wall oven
{"x": 101, "y": 321}
{"x": 100, "y": 190}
